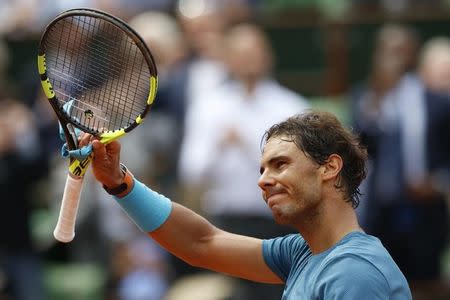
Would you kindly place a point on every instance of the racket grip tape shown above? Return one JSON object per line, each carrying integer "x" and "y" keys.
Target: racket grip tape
{"x": 65, "y": 227}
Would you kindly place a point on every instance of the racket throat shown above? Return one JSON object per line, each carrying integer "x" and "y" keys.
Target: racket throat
{"x": 78, "y": 168}
{"x": 72, "y": 136}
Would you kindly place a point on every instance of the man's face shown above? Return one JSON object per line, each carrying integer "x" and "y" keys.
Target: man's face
{"x": 290, "y": 182}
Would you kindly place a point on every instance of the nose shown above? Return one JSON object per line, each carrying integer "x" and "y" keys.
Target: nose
{"x": 265, "y": 181}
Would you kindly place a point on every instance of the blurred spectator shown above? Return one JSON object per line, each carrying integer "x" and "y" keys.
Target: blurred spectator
{"x": 434, "y": 187}
{"x": 17, "y": 16}
{"x": 400, "y": 42}
{"x": 435, "y": 65}
{"x": 140, "y": 267}
{"x": 223, "y": 133}
{"x": 399, "y": 121}
{"x": 203, "y": 30}
{"x": 166, "y": 41}
{"x": 395, "y": 53}
{"x": 21, "y": 166}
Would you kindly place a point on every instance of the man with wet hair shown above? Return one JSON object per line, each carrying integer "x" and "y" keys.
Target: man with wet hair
{"x": 311, "y": 168}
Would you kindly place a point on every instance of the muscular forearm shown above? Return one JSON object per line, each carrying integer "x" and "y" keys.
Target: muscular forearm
{"x": 186, "y": 235}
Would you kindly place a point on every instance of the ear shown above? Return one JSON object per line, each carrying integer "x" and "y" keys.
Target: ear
{"x": 331, "y": 169}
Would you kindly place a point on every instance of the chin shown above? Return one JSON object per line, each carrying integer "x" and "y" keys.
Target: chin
{"x": 280, "y": 218}
{"x": 282, "y": 222}
{"x": 285, "y": 214}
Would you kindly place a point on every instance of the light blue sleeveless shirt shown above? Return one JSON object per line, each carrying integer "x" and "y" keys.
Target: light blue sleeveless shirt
{"x": 357, "y": 267}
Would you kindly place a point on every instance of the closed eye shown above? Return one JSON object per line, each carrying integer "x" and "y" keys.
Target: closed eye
{"x": 279, "y": 164}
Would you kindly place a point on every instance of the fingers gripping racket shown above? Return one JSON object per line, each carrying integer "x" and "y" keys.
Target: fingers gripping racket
{"x": 100, "y": 78}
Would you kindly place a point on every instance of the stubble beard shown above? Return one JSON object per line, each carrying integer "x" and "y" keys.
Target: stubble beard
{"x": 298, "y": 214}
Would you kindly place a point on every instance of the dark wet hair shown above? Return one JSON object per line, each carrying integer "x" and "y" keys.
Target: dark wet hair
{"x": 321, "y": 134}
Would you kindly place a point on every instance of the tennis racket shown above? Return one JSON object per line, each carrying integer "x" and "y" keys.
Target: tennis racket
{"x": 100, "y": 78}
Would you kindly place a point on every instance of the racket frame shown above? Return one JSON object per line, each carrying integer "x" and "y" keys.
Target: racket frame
{"x": 64, "y": 230}
{"x": 48, "y": 89}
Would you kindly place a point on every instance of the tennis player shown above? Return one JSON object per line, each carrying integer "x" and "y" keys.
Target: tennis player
{"x": 311, "y": 168}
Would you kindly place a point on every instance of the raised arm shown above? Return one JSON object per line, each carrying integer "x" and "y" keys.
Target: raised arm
{"x": 193, "y": 239}
{"x": 179, "y": 230}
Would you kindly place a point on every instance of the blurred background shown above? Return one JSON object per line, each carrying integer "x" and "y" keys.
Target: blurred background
{"x": 228, "y": 70}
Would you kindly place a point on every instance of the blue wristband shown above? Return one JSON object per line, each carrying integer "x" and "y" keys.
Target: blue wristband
{"x": 148, "y": 209}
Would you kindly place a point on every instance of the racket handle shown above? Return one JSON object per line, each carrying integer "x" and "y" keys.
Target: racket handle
{"x": 65, "y": 228}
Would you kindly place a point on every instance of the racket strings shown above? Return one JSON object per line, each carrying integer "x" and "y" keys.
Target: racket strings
{"x": 100, "y": 69}
{"x": 82, "y": 86}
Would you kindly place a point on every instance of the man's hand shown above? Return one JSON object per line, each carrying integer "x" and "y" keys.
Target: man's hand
{"x": 105, "y": 162}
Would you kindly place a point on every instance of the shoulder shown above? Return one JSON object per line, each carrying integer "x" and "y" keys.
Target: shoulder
{"x": 362, "y": 267}
{"x": 281, "y": 253}
{"x": 365, "y": 251}
{"x": 351, "y": 277}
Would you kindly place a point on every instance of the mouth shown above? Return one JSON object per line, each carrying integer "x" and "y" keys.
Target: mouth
{"x": 273, "y": 197}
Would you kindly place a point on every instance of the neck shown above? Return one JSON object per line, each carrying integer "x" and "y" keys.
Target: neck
{"x": 334, "y": 220}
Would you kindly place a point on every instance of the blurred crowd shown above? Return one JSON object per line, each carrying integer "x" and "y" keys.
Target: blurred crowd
{"x": 200, "y": 145}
